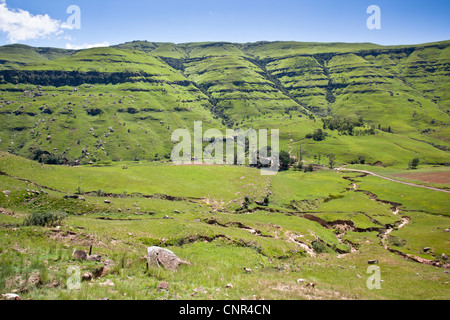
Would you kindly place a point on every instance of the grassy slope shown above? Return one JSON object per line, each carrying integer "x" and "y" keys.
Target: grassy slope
{"x": 261, "y": 85}
{"x": 204, "y": 232}
{"x": 13, "y": 56}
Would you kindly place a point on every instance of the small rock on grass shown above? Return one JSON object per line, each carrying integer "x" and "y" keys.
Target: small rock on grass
{"x": 10, "y": 296}
{"x": 87, "y": 276}
{"x": 107, "y": 283}
{"x": 79, "y": 255}
{"x": 163, "y": 285}
{"x": 94, "y": 257}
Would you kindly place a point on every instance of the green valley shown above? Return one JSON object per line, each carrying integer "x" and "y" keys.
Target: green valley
{"x": 85, "y": 164}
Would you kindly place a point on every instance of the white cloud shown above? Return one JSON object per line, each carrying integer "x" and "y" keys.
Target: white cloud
{"x": 86, "y": 46}
{"x": 20, "y": 25}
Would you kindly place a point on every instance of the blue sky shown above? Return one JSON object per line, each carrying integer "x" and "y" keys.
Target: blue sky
{"x": 43, "y": 22}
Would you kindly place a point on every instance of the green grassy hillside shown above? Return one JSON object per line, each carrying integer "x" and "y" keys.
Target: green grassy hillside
{"x": 15, "y": 55}
{"x": 123, "y": 102}
{"x": 322, "y": 227}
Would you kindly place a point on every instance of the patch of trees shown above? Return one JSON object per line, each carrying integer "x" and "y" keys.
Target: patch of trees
{"x": 343, "y": 125}
{"x": 360, "y": 160}
{"x": 317, "y": 135}
{"x": 43, "y": 156}
{"x": 94, "y": 111}
{"x": 388, "y": 129}
{"x": 177, "y": 64}
{"x": 130, "y": 110}
{"x": 285, "y": 160}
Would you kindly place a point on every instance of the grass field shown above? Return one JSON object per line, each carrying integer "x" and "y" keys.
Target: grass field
{"x": 316, "y": 227}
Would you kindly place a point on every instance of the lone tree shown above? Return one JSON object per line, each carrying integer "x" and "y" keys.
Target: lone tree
{"x": 331, "y": 161}
{"x": 414, "y": 163}
{"x": 300, "y": 155}
{"x": 318, "y": 135}
{"x": 285, "y": 160}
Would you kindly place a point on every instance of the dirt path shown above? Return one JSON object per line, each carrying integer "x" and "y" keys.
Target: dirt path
{"x": 291, "y": 149}
{"x": 393, "y": 180}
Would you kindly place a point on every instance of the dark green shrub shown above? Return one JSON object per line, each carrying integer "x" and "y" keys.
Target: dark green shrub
{"x": 45, "y": 218}
{"x": 413, "y": 164}
{"x": 319, "y": 246}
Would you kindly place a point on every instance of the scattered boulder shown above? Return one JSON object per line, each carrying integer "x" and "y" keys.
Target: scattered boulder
{"x": 74, "y": 196}
{"x": 157, "y": 256}
{"x": 176, "y": 211}
{"x": 94, "y": 257}
{"x": 107, "y": 201}
{"x": 426, "y": 249}
{"x": 247, "y": 270}
{"x": 163, "y": 285}
{"x": 372, "y": 261}
{"x": 79, "y": 255}
{"x": 229, "y": 285}
{"x": 300, "y": 281}
{"x": 100, "y": 272}
{"x": 103, "y": 270}
{"x": 107, "y": 283}
{"x": 34, "y": 279}
{"x": 109, "y": 263}
{"x": 87, "y": 276}
{"x": 444, "y": 256}
{"x": 10, "y": 296}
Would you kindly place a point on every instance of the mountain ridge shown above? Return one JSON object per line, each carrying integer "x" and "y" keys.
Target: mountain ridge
{"x": 291, "y": 85}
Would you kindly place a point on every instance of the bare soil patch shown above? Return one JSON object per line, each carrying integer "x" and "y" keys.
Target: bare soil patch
{"x": 427, "y": 177}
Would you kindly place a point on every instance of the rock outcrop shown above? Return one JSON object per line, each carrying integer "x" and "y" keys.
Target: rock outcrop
{"x": 157, "y": 256}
